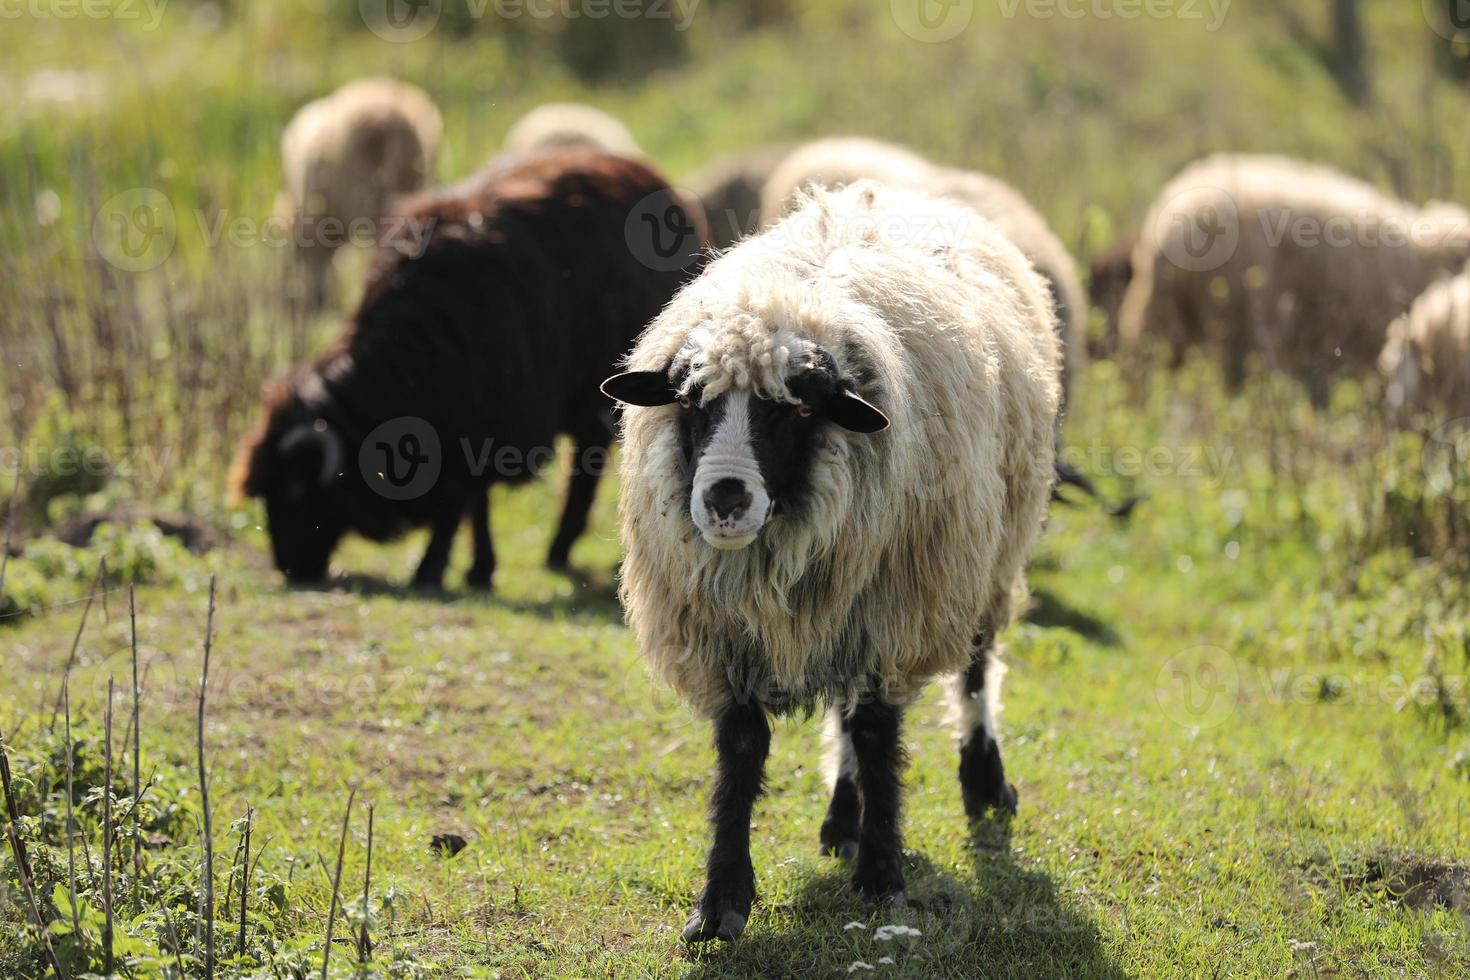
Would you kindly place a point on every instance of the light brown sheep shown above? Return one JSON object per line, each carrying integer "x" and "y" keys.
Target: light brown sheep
{"x": 1294, "y": 262}
{"x": 1426, "y": 360}
{"x": 346, "y": 157}
{"x": 563, "y": 124}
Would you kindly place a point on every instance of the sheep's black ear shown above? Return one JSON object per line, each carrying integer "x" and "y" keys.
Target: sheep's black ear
{"x": 855, "y": 414}
{"x": 646, "y": 388}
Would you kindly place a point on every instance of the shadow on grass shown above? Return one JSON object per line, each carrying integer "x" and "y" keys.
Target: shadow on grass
{"x": 1010, "y": 923}
{"x": 1050, "y": 611}
{"x": 593, "y": 594}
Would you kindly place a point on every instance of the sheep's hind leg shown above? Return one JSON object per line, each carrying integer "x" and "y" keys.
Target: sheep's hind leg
{"x": 482, "y": 570}
{"x": 589, "y": 459}
{"x": 742, "y": 740}
{"x": 842, "y": 826}
{"x": 874, "y": 728}
{"x": 976, "y": 696}
{"x": 430, "y": 574}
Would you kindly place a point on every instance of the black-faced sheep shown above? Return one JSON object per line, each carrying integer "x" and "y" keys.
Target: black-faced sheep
{"x": 1294, "y": 262}
{"x": 730, "y": 189}
{"x": 1426, "y": 360}
{"x": 566, "y": 124}
{"x": 472, "y": 350}
{"x": 837, "y": 456}
{"x": 346, "y": 157}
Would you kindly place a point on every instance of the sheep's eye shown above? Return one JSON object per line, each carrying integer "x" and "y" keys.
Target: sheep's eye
{"x": 804, "y": 410}
{"x": 686, "y": 402}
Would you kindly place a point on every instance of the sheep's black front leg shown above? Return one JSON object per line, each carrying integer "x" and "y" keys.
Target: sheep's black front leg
{"x": 482, "y": 570}
{"x": 742, "y": 739}
{"x": 843, "y": 823}
{"x": 430, "y": 574}
{"x": 589, "y": 459}
{"x": 982, "y": 776}
{"x": 874, "y": 727}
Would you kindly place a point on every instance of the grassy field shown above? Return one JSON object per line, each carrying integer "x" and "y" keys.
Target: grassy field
{"x": 1237, "y": 721}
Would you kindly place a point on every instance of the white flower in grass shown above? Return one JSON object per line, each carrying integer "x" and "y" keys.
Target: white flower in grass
{"x": 859, "y": 965}
{"x": 885, "y": 961}
{"x": 885, "y": 933}
{"x": 853, "y": 925}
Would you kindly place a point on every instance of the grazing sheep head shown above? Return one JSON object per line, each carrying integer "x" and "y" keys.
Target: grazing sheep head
{"x": 748, "y": 450}
{"x": 295, "y": 466}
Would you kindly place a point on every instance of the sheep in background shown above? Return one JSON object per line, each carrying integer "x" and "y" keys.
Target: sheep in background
{"x": 838, "y": 453}
{"x": 345, "y": 158}
{"x": 1426, "y": 360}
{"x": 563, "y": 124}
{"x": 838, "y": 161}
{"x": 474, "y": 347}
{"x": 1107, "y": 283}
{"x": 1295, "y": 262}
{"x": 730, "y": 188}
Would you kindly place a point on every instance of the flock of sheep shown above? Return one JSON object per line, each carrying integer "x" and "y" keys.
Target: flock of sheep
{"x": 840, "y": 385}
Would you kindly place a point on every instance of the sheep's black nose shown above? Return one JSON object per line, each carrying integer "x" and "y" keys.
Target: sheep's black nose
{"x": 727, "y": 498}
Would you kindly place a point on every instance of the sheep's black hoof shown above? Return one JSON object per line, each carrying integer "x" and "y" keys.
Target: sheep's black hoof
{"x": 725, "y": 926}
{"x": 983, "y": 779}
{"x": 847, "y": 850}
{"x": 880, "y": 880}
{"x": 1002, "y": 801}
{"x": 842, "y": 825}
{"x": 479, "y": 579}
{"x": 559, "y": 560}
{"x": 427, "y": 584}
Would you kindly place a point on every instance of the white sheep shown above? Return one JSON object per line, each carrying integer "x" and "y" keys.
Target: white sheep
{"x": 838, "y": 457}
{"x": 345, "y": 158}
{"x": 1426, "y": 360}
{"x": 561, "y": 124}
{"x": 1296, "y": 263}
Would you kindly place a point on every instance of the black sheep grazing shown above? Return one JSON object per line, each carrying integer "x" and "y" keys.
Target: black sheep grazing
{"x": 490, "y": 317}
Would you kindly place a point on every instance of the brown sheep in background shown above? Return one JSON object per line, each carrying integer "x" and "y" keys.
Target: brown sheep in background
{"x": 1427, "y": 358}
{"x": 345, "y": 158}
{"x": 1294, "y": 262}
{"x": 1107, "y": 283}
{"x": 474, "y": 347}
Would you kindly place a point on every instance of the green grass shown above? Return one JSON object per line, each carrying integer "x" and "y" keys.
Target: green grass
{"x": 1237, "y": 722}
{"x": 1173, "y": 821}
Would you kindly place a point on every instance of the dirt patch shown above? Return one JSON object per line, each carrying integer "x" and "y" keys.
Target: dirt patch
{"x": 1417, "y": 883}
{"x": 195, "y": 535}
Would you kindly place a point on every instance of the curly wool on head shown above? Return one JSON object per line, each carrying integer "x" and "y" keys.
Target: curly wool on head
{"x": 912, "y": 537}
{"x": 838, "y": 161}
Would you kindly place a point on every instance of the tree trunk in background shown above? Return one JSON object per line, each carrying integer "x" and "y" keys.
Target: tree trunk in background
{"x": 1351, "y": 50}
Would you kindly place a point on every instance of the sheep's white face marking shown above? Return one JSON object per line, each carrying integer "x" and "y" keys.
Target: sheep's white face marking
{"x": 728, "y": 501}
